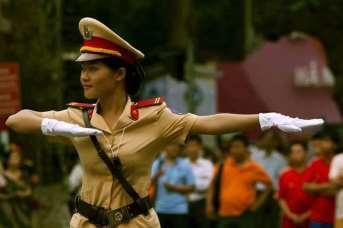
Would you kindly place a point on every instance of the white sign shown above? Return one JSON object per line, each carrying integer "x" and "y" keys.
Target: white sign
{"x": 312, "y": 75}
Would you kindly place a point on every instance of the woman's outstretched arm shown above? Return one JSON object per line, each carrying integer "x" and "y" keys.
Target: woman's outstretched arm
{"x": 28, "y": 121}
{"x": 25, "y": 121}
{"x": 225, "y": 123}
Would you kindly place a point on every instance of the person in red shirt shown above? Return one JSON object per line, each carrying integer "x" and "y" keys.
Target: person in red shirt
{"x": 293, "y": 201}
{"x": 317, "y": 184}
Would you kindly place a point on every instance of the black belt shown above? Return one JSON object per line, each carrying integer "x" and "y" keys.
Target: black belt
{"x": 104, "y": 217}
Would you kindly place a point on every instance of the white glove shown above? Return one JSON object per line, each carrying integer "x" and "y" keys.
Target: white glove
{"x": 286, "y": 123}
{"x": 61, "y": 128}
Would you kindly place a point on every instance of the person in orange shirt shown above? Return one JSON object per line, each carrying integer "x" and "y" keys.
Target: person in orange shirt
{"x": 237, "y": 190}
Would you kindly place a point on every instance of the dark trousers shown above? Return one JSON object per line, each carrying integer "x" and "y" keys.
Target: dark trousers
{"x": 246, "y": 220}
{"x": 197, "y": 214}
{"x": 268, "y": 216}
{"x": 173, "y": 220}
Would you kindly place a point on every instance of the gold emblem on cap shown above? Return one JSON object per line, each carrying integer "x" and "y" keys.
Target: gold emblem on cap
{"x": 87, "y": 34}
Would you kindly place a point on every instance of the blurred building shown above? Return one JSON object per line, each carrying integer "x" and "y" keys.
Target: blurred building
{"x": 290, "y": 76}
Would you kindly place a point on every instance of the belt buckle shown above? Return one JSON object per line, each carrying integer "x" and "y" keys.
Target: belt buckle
{"x": 119, "y": 216}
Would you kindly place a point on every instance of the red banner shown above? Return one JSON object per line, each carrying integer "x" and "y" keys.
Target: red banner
{"x": 10, "y": 99}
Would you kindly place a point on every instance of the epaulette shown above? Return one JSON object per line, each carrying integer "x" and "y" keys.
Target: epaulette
{"x": 144, "y": 103}
{"x": 83, "y": 106}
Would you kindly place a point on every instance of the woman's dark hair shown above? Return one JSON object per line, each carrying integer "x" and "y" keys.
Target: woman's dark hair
{"x": 134, "y": 73}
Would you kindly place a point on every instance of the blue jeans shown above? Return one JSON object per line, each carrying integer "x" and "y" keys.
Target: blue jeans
{"x": 320, "y": 225}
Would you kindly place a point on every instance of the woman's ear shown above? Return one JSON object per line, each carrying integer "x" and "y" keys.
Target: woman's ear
{"x": 120, "y": 74}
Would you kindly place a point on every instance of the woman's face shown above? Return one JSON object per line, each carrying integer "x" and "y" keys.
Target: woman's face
{"x": 98, "y": 80}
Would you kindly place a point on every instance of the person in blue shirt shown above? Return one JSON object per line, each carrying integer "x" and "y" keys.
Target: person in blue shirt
{"x": 174, "y": 180}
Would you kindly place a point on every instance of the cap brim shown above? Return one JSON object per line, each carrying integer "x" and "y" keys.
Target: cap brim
{"x": 84, "y": 57}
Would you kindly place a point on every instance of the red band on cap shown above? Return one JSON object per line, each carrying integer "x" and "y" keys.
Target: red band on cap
{"x": 104, "y": 45}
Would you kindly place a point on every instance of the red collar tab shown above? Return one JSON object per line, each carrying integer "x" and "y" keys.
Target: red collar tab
{"x": 100, "y": 45}
{"x": 81, "y": 105}
{"x": 144, "y": 103}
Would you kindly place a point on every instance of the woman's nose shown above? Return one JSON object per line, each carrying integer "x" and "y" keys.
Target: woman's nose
{"x": 84, "y": 75}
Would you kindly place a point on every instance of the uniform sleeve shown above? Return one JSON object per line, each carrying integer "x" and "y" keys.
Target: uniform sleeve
{"x": 63, "y": 115}
{"x": 175, "y": 127}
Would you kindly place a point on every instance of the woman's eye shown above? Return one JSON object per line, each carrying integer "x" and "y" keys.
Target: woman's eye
{"x": 93, "y": 68}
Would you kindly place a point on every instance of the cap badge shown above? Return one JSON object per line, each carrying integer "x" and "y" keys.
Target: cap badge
{"x": 87, "y": 34}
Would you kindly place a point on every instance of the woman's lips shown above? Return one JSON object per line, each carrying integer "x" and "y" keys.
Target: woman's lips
{"x": 87, "y": 86}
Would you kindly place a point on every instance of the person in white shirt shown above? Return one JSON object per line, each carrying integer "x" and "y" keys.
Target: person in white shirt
{"x": 203, "y": 172}
{"x": 75, "y": 178}
{"x": 267, "y": 155}
{"x": 74, "y": 185}
{"x": 336, "y": 176}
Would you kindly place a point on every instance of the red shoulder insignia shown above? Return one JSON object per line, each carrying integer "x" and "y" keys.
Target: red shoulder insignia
{"x": 144, "y": 103}
{"x": 150, "y": 102}
{"x": 81, "y": 105}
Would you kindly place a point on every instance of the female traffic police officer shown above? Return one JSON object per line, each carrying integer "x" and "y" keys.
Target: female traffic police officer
{"x": 118, "y": 139}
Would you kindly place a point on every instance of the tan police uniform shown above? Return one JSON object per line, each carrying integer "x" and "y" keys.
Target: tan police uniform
{"x": 141, "y": 132}
{"x": 136, "y": 142}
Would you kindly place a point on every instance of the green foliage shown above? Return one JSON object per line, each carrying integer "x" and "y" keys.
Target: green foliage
{"x": 35, "y": 43}
{"x": 144, "y": 23}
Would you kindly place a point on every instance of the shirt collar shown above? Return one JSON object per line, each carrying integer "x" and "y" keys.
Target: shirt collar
{"x": 124, "y": 120}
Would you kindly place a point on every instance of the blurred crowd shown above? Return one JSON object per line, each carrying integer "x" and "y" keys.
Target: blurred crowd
{"x": 274, "y": 182}
{"x": 271, "y": 182}
{"x": 17, "y": 180}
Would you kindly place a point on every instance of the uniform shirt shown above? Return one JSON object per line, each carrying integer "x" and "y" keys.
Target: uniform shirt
{"x": 291, "y": 191}
{"x": 138, "y": 141}
{"x": 336, "y": 170}
{"x": 237, "y": 186}
{"x": 179, "y": 173}
{"x": 322, "y": 207}
{"x": 273, "y": 163}
{"x": 203, "y": 171}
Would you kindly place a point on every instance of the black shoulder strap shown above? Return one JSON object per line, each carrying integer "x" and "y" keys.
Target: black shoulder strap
{"x": 114, "y": 166}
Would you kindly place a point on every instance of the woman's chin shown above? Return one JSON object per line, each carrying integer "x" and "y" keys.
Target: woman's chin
{"x": 90, "y": 96}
